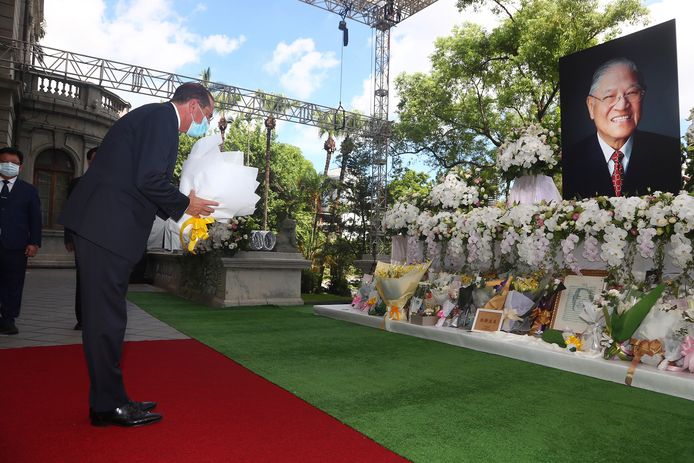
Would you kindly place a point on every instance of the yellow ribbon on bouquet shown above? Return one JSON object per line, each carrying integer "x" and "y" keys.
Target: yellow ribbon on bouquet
{"x": 198, "y": 232}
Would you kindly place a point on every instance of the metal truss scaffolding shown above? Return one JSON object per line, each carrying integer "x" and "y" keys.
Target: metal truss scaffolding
{"x": 16, "y": 56}
{"x": 381, "y": 15}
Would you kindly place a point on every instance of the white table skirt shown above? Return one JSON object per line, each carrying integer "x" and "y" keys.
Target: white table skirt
{"x": 528, "y": 349}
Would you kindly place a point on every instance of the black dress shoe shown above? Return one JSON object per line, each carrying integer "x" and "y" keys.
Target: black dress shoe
{"x": 127, "y": 415}
{"x": 9, "y": 328}
{"x": 144, "y": 406}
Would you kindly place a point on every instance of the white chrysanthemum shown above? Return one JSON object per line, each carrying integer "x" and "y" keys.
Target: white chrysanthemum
{"x": 683, "y": 207}
{"x": 680, "y": 250}
{"x": 530, "y": 148}
{"x": 533, "y": 249}
{"x": 593, "y": 219}
{"x": 401, "y": 217}
{"x": 644, "y": 242}
{"x": 614, "y": 242}
{"x": 453, "y": 193}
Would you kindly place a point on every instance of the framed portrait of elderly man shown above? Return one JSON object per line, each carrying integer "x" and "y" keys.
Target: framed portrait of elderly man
{"x": 578, "y": 289}
{"x": 620, "y": 116}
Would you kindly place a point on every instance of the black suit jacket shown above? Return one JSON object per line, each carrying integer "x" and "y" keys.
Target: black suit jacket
{"x": 20, "y": 217}
{"x": 655, "y": 165}
{"x": 115, "y": 201}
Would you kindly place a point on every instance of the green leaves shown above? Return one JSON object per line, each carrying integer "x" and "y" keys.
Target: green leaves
{"x": 624, "y": 325}
{"x": 553, "y": 337}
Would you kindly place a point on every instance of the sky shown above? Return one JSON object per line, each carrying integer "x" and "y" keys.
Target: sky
{"x": 287, "y": 47}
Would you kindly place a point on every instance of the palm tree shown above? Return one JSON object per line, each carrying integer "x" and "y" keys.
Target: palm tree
{"x": 274, "y": 104}
{"x": 205, "y": 76}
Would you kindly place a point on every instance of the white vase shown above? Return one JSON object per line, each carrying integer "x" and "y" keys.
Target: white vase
{"x": 531, "y": 189}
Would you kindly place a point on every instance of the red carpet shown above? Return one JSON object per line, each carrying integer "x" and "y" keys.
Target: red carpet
{"x": 214, "y": 411}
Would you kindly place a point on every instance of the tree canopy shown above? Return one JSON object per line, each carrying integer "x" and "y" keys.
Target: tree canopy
{"x": 484, "y": 84}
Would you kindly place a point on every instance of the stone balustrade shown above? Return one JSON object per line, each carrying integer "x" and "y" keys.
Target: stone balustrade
{"x": 75, "y": 93}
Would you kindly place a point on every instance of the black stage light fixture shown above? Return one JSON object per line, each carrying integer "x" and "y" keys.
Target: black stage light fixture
{"x": 345, "y": 32}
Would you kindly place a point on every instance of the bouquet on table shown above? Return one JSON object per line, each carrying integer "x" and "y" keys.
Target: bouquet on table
{"x": 623, "y": 314}
{"x": 465, "y": 306}
{"x": 617, "y": 317}
{"x": 396, "y": 284}
{"x": 366, "y": 296}
{"x": 444, "y": 291}
{"x": 220, "y": 177}
{"x": 666, "y": 336}
{"x": 416, "y": 305}
{"x": 525, "y": 295}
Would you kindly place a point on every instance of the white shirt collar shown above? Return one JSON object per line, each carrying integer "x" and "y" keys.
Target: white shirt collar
{"x": 11, "y": 182}
{"x": 607, "y": 151}
{"x": 178, "y": 116}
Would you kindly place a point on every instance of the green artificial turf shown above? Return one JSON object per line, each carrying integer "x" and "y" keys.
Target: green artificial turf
{"x": 434, "y": 402}
{"x": 325, "y": 299}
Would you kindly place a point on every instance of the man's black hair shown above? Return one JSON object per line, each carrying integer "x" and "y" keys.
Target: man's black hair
{"x": 15, "y": 151}
{"x": 192, "y": 90}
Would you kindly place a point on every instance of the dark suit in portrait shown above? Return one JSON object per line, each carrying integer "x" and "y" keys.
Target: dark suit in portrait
{"x": 110, "y": 212}
{"x": 20, "y": 226}
{"x": 654, "y": 165}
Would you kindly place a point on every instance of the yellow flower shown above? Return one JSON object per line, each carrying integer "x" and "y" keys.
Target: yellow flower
{"x": 573, "y": 343}
{"x": 526, "y": 284}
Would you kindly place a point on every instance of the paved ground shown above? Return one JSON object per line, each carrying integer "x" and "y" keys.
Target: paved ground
{"x": 48, "y": 313}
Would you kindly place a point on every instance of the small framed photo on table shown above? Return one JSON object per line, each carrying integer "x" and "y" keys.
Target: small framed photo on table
{"x": 569, "y": 305}
{"x": 487, "y": 320}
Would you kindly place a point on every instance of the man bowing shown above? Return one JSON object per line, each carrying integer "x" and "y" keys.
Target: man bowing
{"x": 111, "y": 212}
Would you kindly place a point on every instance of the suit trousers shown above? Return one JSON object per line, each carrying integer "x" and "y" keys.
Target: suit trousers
{"x": 78, "y": 291}
{"x": 104, "y": 284}
{"x": 13, "y": 265}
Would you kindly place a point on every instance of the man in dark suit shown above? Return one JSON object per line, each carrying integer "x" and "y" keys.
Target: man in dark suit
{"x": 20, "y": 235}
{"x": 70, "y": 245}
{"x": 620, "y": 160}
{"x": 111, "y": 212}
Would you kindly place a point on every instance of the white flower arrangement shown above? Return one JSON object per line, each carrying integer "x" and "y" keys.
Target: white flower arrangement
{"x": 537, "y": 237}
{"x": 402, "y": 217}
{"x": 453, "y": 193}
{"x": 533, "y": 152}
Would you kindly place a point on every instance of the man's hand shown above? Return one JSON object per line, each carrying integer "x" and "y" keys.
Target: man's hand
{"x": 31, "y": 250}
{"x": 199, "y": 206}
{"x": 69, "y": 247}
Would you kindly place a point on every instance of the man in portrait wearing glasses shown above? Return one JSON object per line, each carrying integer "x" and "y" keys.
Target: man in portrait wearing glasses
{"x": 110, "y": 213}
{"x": 619, "y": 159}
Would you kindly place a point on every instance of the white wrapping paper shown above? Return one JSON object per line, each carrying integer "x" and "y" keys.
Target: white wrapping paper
{"x": 216, "y": 176}
{"x": 220, "y": 177}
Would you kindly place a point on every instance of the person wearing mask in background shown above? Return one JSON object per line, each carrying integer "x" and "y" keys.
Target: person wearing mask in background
{"x": 20, "y": 235}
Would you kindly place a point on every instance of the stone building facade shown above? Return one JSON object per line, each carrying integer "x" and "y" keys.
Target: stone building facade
{"x": 53, "y": 120}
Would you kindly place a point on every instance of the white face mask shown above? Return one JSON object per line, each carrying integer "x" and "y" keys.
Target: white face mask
{"x": 9, "y": 169}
